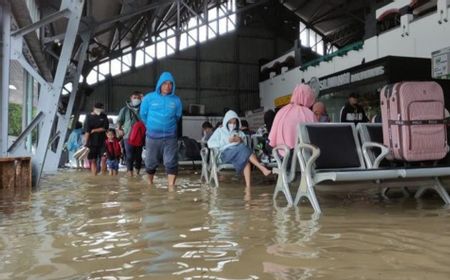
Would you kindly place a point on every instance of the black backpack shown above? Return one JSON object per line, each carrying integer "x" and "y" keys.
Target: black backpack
{"x": 189, "y": 149}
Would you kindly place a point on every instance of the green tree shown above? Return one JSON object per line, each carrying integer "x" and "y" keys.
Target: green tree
{"x": 15, "y": 119}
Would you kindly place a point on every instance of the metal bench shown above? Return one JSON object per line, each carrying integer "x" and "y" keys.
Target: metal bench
{"x": 332, "y": 152}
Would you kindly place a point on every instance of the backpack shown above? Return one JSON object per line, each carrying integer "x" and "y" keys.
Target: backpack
{"x": 137, "y": 133}
{"x": 189, "y": 149}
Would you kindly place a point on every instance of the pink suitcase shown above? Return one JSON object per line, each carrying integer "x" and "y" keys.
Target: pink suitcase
{"x": 413, "y": 121}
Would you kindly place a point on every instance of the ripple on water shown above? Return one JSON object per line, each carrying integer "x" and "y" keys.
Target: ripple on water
{"x": 81, "y": 227}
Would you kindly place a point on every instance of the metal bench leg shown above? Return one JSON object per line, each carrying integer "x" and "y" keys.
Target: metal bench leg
{"x": 204, "y": 176}
{"x": 438, "y": 187}
{"x": 282, "y": 186}
{"x": 384, "y": 192}
{"x": 305, "y": 190}
{"x": 213, "y": 176}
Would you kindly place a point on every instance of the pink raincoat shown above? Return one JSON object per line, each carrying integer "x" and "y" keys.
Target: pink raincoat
{"x": 284, "y": 128}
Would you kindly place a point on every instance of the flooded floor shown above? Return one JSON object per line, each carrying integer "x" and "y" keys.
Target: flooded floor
{"x": 81, "y": 227}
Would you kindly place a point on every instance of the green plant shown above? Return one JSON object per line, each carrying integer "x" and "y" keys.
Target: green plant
{"x": 15, "y": 119}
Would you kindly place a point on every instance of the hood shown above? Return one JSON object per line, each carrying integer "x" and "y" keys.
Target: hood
{"x": 228, "y": 116}
{"x": 303, "y": 95}
{"x": 165, "y": 76}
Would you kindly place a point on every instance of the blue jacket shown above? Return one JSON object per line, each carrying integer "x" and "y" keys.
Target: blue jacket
{"x": 161, "y": 113}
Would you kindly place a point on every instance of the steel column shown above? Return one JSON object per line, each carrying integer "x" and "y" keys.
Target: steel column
{"x": 5, "y": 22}
{"x": 27, "y": 106}
{"x": 53, "y": 157}
{"x": 49, "y": 92}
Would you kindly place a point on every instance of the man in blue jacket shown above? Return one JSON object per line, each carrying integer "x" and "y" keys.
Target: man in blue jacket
{"x": 161, "y": 111}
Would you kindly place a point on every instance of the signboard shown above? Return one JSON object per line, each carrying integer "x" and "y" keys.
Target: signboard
{"x": 349, "y": 77}
{"x": 255, "y": 118}
{"x": 440, "y": 64}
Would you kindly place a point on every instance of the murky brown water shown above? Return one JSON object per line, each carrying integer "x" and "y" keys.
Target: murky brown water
{"x": 79, "y": 227}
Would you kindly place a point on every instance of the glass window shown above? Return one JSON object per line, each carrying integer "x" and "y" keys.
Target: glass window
{"x": 139, "y": 58}
{"x": 312, "y": 38}
{"x": 192, "y": 22}
{"x": 150, "y": 52}
{"x": 126, "y": 59}
{"x": 304, "y": 37}
{"x": 212, "y": 14}
{"x": 101, "y": 77}
{"x": 222, "y": 26}
{"x": 320, "y": 48}
{"x": 222, "y": 11}
{"x": 202, "y": 36}
{"x": 212, "y": 29}
{"x": 171, "y": 45}
{"x": 116, "y": 67}
{"x": 230, "y": 26}
{"x": 104, "y": 68}
{"x": 183, "y": 41}
{"x": 161, "y": 49}
{"x": 170, "y": 32}
{"x": 192, "y": 38}
{"x": 91, "y": 78}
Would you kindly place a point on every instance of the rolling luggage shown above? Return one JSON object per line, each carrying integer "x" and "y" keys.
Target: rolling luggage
{"x": 414, "y": 127}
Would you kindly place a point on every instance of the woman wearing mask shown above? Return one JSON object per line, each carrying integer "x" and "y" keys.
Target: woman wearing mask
{"x": 95, "y": 126}
{"x": 127, "y": 117}
{"x": 230, "y": 142}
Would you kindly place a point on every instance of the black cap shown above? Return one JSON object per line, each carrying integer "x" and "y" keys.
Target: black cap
{"x": 99, "y": 105}
{"x": 354, "y": 95}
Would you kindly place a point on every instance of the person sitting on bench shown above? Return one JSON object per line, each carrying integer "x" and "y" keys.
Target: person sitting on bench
{"x": 229, "y": 140}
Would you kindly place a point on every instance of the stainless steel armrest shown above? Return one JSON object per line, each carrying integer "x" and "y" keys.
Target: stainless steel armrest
{"x": 376, "y": 163}
{"x": 281, "y": 163}
{"x": 307, "y": 166}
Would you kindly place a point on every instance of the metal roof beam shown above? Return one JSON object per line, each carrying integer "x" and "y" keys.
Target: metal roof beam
{"x": 22, "y": 16}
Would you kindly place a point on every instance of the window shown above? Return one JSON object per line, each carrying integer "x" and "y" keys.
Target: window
{"x": 221, "y": 20}
{"x": 104, "y": 68}
{"x": 161, "y": 50}
{"x": 183, "y": 41}
{"x": 91, "y": 78}
{"x": 212, "y": 14}
{"x": 222, "y": 26}
{"x": 139, "y": 58}
{"x": 202, "y": 36}
{"x": 116, "y": 67}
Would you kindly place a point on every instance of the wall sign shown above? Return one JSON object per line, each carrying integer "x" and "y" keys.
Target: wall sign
{"x": 348, "y": 77}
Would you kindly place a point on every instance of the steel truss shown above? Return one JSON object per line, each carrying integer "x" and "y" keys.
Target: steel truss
{"x": 46, "y": 118}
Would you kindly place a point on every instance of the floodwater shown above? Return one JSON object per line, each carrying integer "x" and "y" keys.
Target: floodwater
{"x": 80, "y": 227}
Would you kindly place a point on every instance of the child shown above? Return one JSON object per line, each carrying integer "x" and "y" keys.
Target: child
{"x": 113, "y": 152}
{"x": 74, "y": 142}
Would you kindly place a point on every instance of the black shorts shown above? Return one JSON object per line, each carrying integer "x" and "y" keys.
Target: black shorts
{"x": 96, "y": 152}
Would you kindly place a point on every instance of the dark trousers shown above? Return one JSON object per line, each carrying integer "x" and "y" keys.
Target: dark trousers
{"x": 133, "y": 156}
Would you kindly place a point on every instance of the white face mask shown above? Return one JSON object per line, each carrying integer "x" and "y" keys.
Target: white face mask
{"x": 98, "y": 111}
{"x": 135, "y": 102}
{"x": 231, "y": 126}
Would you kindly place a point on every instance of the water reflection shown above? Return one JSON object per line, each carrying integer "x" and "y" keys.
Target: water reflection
{"x": 79, "y": 227}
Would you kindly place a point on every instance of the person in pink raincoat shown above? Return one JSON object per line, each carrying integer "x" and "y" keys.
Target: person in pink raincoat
{"x": 284, "y": 128}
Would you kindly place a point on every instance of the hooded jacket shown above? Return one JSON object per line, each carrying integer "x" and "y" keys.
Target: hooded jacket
{"x": 284, "y": 128}
{"x": 127, "y": 118}
{"x": 160, "y": 113}
{"x": 220, "y": 138}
